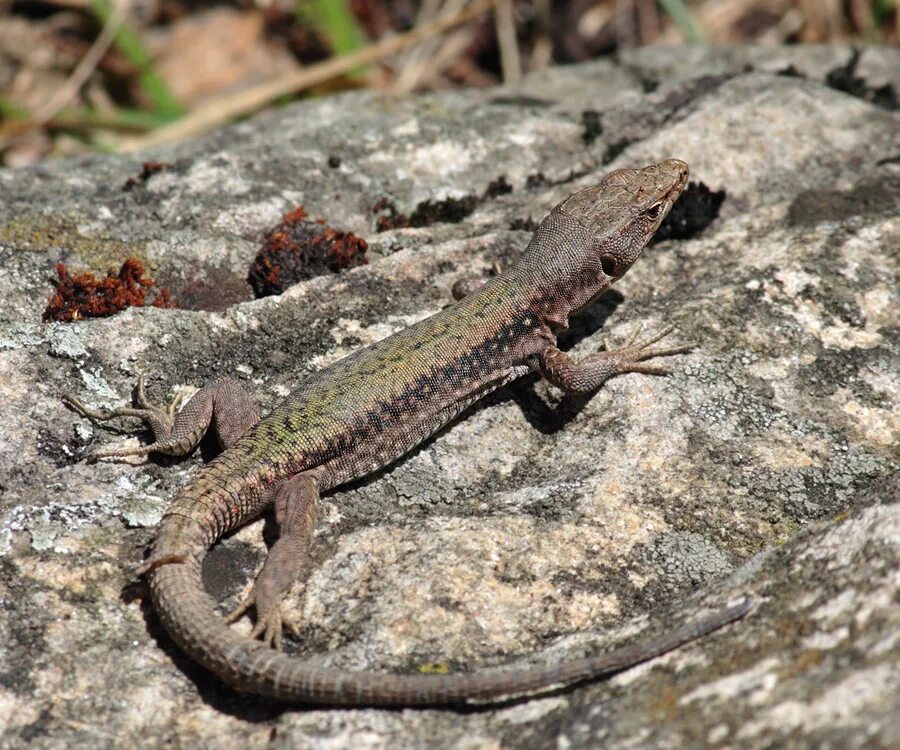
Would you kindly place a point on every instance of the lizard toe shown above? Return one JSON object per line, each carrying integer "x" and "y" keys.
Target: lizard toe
{"x": 268, "y": 629}
{"x": 238, "y": 612}
{"x": 270, "y": 622}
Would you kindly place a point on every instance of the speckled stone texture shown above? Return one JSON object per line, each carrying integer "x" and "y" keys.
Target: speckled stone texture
{"x": 536, "y": 528}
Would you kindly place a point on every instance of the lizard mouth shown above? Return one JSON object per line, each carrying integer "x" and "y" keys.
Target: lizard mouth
{"x": 684, "y": 174}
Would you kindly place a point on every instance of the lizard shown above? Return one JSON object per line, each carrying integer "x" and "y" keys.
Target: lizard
{"x": 370, "y": 408}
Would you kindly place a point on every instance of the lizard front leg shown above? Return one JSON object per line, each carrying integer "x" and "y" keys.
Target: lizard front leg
{"x": 590, "y": 373}
{"x": 296, "y": 504}
{"x": 222, "y": 403}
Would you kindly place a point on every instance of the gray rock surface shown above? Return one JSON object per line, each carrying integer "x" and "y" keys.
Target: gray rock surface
{"x": 536, "y": 527}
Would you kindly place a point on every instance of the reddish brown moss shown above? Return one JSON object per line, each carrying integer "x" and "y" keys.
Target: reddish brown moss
{"x": 299, "y": 249}
{"x": 391, "y": 218}
{"x": 85, "y": 296}
{"x": 148, "y": 169}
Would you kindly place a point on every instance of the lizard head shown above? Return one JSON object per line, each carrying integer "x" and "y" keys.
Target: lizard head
{"x": 593, "y": 237}
{"x": 622, "y": 212}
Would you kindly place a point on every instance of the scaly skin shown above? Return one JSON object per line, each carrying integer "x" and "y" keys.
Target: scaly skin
{"x": 372, "y": 407}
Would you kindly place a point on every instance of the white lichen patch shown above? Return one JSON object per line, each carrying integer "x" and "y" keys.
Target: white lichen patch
{"x": 795, "y": 282}
{"x": 64, "y": 341}
{"x": 97, "y": 386}
{"x": 406, "y": 129}
{"x": 17, "y": 711}
{"x": 879, "y": 305}
{"x": 220, "y": 175}
{"x": 825, "y": 641}
{"x": 753, "y": 686}
{"x": 838, "y": 705}
{"x": 528, "y": 132}
{"x": 251, "y": 217}
{"x": 857, "y": 251}
{"x": 444, "y": 157}
{"x": 837, "y": 608}
{"x": 59, "y": 525}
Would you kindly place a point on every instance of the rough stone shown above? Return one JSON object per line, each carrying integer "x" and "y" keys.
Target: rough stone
{"x": 536, "y": 528}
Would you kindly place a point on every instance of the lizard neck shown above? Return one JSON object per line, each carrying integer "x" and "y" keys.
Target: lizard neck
{"x": 558, "y": 274}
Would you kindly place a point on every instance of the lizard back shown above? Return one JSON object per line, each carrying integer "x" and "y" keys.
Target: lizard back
{"x": 373, "y": 406}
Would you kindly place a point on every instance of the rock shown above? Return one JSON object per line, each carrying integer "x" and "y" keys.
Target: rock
{"x": 537, "y": 527}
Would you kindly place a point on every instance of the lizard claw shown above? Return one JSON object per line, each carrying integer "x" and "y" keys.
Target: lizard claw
{"x": 160, "y": 419}
{"x": 270, "y": 627}
{"x": 631, "y": 354}
{"x": 165, "y": 413}
{"x": 270, "y": 622}
{"x": 238, "y": 612}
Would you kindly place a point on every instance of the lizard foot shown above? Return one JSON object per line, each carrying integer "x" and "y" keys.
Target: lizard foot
{"x": 159, "y": 419}
{"x": 270, "y": 621}
{"x": 630, "y": 356}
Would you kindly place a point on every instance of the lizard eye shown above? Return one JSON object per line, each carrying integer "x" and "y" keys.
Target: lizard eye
{"x": 608, "y": 264}
{"x": 653, "y": 211}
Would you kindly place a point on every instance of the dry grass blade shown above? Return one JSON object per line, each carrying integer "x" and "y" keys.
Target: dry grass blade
{"x": 84, "y": 69}
{"x": 510, "y": 61}
{"x": 420, "y": 61}
{"x": 249, "y": 101}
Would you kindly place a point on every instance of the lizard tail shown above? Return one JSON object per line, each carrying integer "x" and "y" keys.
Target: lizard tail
{"x": 188, "y": 614}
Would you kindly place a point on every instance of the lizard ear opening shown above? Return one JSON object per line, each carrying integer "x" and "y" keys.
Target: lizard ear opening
{"x": 608, "y": 264}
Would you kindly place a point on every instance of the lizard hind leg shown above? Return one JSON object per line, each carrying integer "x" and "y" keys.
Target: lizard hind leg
{"x": 296, "y": 502}
{"x": 222, "y": 403}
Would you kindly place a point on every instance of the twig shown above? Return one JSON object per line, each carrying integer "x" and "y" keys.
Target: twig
{"x": 420, "y": 60}
{"x": 648, "y": 21}
{"x": 510, "y": 62}
{"x": 225, "y": 110}
{"x": 430, "y": 70}
{"x": 542, "y": 50}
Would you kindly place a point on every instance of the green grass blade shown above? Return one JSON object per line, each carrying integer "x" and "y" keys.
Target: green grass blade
{"x": 130, "y": 45}
{"x": 117, "y": 119}
{"x": 12, "y": 111}
{"x": 681, "y": 17}
{"x": 333, "y": 20}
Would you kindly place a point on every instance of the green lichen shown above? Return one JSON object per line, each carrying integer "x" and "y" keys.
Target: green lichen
{"x": 51, "y": 233}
